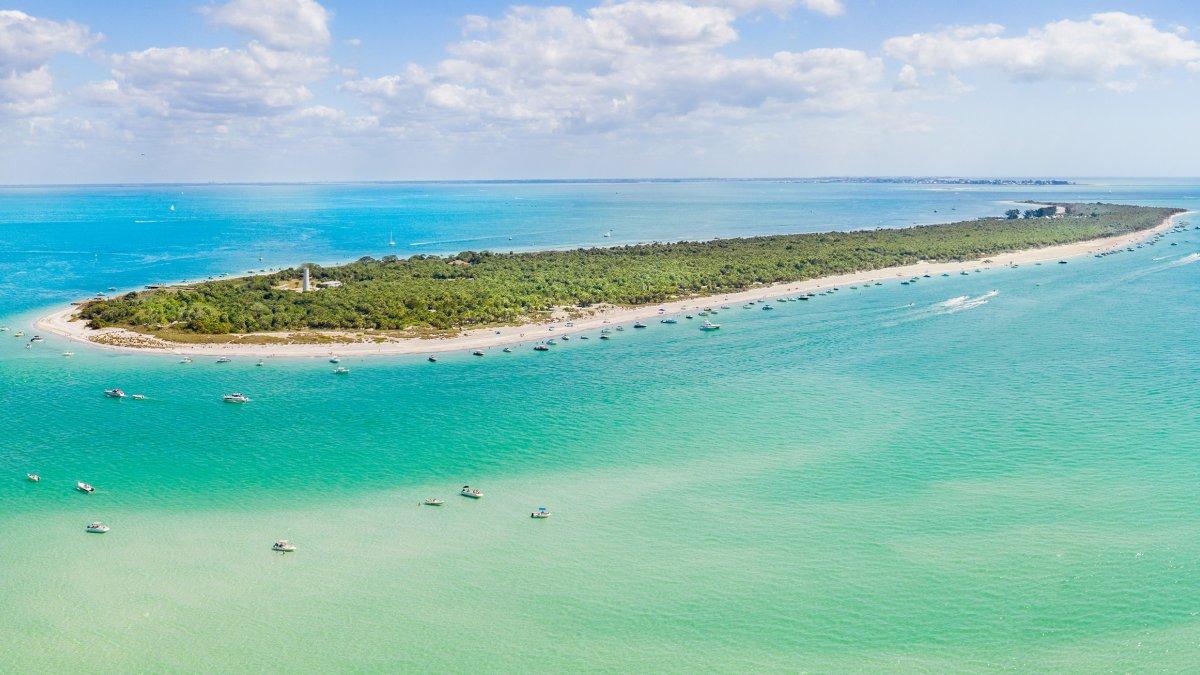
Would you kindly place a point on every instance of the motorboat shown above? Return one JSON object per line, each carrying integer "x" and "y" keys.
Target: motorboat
{"x": 468, "y": 491}
{"x": 114, "y": 393}
{"x": 97, "y": 527}
{"x": 767, "y": 308}
{"x": 224, "y": 359}
{"x": 36, "y": 338}
{"x": 341, "y": 370}
{"x": 540, "y": 513}
{"x": 19, "y": 333}
{"x": 236, "y": 397}
{"x": 432, "y": 359}
{"x": 433, "y": 501}
{"x": 507, "y": 350}
{"x": 138, "y": 397}
{"x": 584, "y": 337}
{"x": 33, "y": 477}
{"x": 639, "y": 324}
{"x": 260, "y": 363}
{"x": 604, "y": 337}
{"x": 68, "y": 354}
{"x": 283, "y": 546}
{"x": 334, "y": 359}
{"x": 186, "y": 359}
{"x": 478, "y": 352}
{"x": 551, "y": 342}
{"x": 84, "y": 487}
{"x": 541, "y": 348}
{"x": 708, "y": 325}
{"x": 669, "y": 320}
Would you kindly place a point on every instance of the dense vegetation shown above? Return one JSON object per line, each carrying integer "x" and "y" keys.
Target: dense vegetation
{"x": 474, "y": 289}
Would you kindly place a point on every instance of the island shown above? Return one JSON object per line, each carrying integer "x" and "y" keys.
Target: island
{"x": 427, "y": 302}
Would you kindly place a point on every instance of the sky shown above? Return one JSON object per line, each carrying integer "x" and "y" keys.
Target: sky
{"x": 342, "y": 90}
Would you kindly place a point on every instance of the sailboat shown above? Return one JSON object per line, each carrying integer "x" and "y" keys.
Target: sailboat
{"x": 391, "y": 239}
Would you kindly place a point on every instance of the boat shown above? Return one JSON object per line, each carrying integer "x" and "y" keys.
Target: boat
{"x": 468, "y": 491}
{"x": 604, "y": 331}
{"x": 620, "y": 328}
{"x": 224, "y": 359}
{"x": 334, "y": 359}
{"x": 283, "y": 546}
{"x": 260, "y": 363}
{"x": 767, "y": 308}
{"x": 708, "y": 325}
{"x": 639, "y": 324}
{"x": 68, "y": 354}
{"x": 432, "y": 359}
{"x": 391, "y": 239}
{"x": 341, "y": 370}
{"x": 97, "y": 527}
{"x": 33, "y": 477}
{"x": 433, "y": 501}
{"x": 114, "y": 393}
{"x": 507, "y": 350}
{"x": 584, "y": 337}
{"x": 604, "y": 337}
{"x": 477, "y": 352}
{"x": 689, "y": 316}
{"x": 19, "y": 333}
{"x": 540, "y": 513}
{"x": 566, "y": 337}
{"x": 541, "y": 348}
{"x": 138, "y": 397}
{"x": 236, "y": 397}
{"x": 84, "y": 487}
{"x": 551, "y": 342}
{"x": 36, "y": 338}
{"x": 669, "y": 320}
{"x": 186, "y": 359}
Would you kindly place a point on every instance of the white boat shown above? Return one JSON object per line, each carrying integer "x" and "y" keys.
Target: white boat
{"x": 433, "y": 501}
{"x": 186, "y": 359}
{"x": 283, "y": 546}
{"x": 670, "y": 320}
{"x": 639, "y": 324}
{"x": 97, "y": 527}
{"x": 260, "y": 363}
{"x": 708, "y": 325}
{"x": 236, "y": 397}
{"x": 540, "y": 513}
{"x": 114, "y": 393}
{"x": 341, "y": 370}
{"x": 138, "y": 397}
{"x": 541, "y": 348}
{"x": 84, "y": 487}
{"x": 19, "y": 333}
{"x": 334, "y": 359}
{"x": 33, "y": 477}
{"x": 68, "y": 354}
{"x": 224, "y": 359}
{"x": 507, "y": 350}
{"x": 473, "y": 493}
{"x": 39, "y": 338}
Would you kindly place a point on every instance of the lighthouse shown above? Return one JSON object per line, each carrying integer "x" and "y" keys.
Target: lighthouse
{"x": 306, "y": 285}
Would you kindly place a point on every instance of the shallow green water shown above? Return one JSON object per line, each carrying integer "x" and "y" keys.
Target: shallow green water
{"x": 887, "y": 478}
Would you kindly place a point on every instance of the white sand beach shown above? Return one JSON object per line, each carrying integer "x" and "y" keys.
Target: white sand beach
{"x": 61, "y": 322}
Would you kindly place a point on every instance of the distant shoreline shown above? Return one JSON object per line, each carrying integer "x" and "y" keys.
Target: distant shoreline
{"x": 60, "y": 322}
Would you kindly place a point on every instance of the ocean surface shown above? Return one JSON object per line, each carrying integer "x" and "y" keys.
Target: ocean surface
{"x": 890, "y": 478}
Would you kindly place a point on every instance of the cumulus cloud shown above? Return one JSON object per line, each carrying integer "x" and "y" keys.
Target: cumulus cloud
{"x": 616, "y": 65}
{"x": 256, "y": 80}
{"x": 1099, "y": 49}
{"x": 281, "y": 24}
{"x": 27, "y": 43}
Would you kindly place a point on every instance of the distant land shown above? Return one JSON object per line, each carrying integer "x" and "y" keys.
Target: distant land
{"x": 436, "y": 296}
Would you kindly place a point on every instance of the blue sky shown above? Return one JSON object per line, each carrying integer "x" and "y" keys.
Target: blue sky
{"x": 261, "y": 90}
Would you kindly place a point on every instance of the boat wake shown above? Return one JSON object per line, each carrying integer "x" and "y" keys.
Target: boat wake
{"x": 964, "y": 302}
{"x": 1186, "y": 260}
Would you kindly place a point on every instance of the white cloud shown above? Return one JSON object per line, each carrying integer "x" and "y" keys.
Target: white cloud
{"x": 281, "y": 24}
{"x": 27, "y": 43}
{"x": 253, "y": 81}
{"x": 637, "y": 63}
{"x": 1098, "y": 50}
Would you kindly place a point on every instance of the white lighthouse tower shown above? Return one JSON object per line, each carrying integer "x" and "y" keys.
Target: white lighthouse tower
{"x": 306, "y": 285}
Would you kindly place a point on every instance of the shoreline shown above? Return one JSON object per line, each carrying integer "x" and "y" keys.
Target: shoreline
{"x": 60, "y": 323}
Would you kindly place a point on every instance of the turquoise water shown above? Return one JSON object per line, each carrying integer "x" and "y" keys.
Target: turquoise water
{"x": 879, "y": 479}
